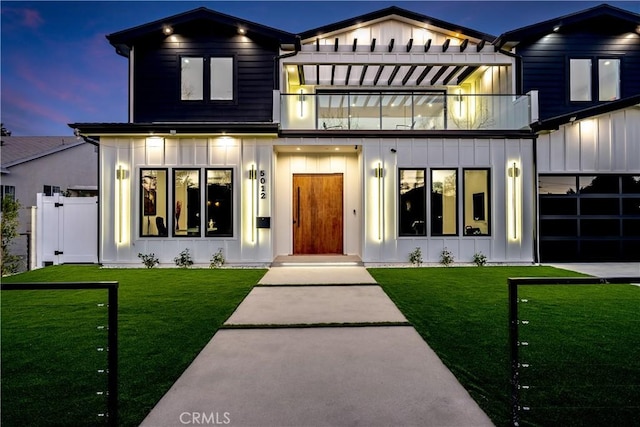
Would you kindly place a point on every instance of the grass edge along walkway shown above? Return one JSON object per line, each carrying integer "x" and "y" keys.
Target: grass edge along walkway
{"x": 462, "y": 313}
{"x": 166, "y": 317}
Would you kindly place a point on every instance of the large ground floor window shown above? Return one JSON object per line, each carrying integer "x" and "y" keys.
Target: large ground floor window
{"x": 589, "y": 217}
{"x": 444, "y": 202}
{"x": 185, "y": 214}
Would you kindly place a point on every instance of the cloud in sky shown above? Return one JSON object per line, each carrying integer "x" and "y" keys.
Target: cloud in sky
{"x": 22, "y": 17}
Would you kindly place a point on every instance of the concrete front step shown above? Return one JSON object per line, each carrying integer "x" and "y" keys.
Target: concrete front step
{"x": 294, "y": 275}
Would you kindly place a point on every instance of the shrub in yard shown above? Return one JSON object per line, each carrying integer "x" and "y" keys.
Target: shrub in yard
{"x": 8, "y": 261}
{"x": 217, "y": 259}
{"x": 415, "y": 257}
{"x": 446, "y": 257}
{"x": 479, "y": 259}
{"x": 149, "y": 260}
{"x": 183, "y": 260}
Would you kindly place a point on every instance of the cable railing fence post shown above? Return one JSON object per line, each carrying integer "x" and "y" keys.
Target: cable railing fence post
{"x": 513, "y": 346}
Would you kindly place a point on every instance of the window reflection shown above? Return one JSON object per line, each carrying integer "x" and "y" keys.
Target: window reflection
{"x": 412, "y": 202}
{"x": 186, "y": 191}
{"x": 557, "y": 184}
{"x": 476, "y": 202}
{"x": 153, "y": 203}
{"x": 444, "y": 202}
{"x": 219, "y": 202}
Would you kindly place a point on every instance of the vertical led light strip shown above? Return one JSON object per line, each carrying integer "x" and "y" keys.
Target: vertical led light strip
{"x": 379, "y": 174}
{"x": 513, "y": 174}
{"x": 253, "y": 175}
{"x": 120, "y": 177}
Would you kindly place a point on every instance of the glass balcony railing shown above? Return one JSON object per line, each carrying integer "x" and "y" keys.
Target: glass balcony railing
{"x": 404, "y": 111}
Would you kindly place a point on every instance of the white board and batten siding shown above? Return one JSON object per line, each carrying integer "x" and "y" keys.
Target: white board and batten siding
{"x": 603, "y": 144}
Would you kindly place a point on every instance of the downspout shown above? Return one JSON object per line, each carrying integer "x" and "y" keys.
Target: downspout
{"x": 276, "y": 62}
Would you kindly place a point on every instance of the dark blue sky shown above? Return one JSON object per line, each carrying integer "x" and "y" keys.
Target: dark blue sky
{"x": 58, "y": 68}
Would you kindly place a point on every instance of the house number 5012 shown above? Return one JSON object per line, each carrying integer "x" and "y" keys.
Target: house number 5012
{"x": 263, "y": 185}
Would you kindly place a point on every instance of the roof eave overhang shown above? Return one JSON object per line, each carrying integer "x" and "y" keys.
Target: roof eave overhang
{"x": 554, "y": 123}
{"x": 174, "y": 129}
{"x": 123, "y": 40}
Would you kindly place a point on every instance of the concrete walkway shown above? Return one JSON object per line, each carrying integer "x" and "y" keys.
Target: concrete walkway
{"x": 603, "y": 269}
{"x": 303, "y": 350}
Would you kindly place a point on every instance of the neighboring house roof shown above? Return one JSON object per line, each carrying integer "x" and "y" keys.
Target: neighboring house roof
{"x": 21, "y": 149}
{"x": 555, "y": 122}
{"x": 393, "y": 10}
{"x": 123, "y": 40}
{"x": 606, "y": 16}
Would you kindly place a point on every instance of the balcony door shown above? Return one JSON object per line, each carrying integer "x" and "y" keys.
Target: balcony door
{"x": 317, "y": 214}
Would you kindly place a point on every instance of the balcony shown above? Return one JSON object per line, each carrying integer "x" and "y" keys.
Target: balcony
{"x": 407, "y": 111}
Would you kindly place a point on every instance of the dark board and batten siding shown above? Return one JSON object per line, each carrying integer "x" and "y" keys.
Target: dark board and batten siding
{"x": 545, "y": 66}
{"x": 157, "y": 78}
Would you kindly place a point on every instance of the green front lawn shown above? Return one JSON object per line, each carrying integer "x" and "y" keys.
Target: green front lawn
{"x": 50, "y": 360}
{"x": 583, "y": 340}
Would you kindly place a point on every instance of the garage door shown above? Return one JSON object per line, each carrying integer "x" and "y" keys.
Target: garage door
{"x": 589, "y": 218}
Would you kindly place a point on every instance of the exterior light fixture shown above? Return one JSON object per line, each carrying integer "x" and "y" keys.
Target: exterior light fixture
{"x": 121, "y": 175}
{"x": 242, "y": 31}
{"x": 167, "y": 30}
{"x": 513, "y": 172}
{"x": 556, "y": 28}
{"x": 301, "y": 99}
{"x": 379, "y": 174}
{"x": 253, "y": 176}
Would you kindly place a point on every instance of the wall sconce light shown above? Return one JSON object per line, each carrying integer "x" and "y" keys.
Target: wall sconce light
{"x": 121, "y": 175}
{"x": 513, "y": 173}
{"x": 379, "y": 174}
{"x": 301, "y": 98}
{"x": 167, "y": 30}
{"x": 253, "y": 176}
{"x": 378, "y": 171}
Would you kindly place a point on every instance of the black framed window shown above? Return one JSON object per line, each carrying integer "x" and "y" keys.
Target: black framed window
{"x": 154, "y": 211}
{"x": 187, "y": 220}
{"x": 191, "y": 78}
{"x": 219, "y": 202}
{"x": 477, "y": 202}
{"x": 594, "y": 79}
{"x": 221, "y": 79}
{"x": 210, "y": 78}
{"x": 412, "y": 209}
{"x": 444, "y": 202}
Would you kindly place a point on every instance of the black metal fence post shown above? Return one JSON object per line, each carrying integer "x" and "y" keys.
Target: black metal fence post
{"x": 513, "y": 349}
{"x": 112, "y": 338}
{"x": 514, "y": 343}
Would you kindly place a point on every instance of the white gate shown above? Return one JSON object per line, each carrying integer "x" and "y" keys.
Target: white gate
{"x": 66, "y": 230}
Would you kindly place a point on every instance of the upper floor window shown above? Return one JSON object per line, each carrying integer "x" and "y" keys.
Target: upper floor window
{"x": 608, "y": 79}
{"x": 194, "y": 76}
{"x": 587, "y": 83}
{"x": 221, "y": 79}
{"x": 192, "y": 80}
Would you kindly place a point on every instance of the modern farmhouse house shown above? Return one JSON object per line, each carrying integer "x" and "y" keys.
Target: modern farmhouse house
{"x": 371, "y": 137}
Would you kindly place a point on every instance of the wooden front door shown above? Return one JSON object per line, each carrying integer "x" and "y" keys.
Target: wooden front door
{"x": 317, "y": 214}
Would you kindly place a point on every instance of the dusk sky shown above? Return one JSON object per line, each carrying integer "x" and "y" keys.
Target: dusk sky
{"x": 57, "y": 66}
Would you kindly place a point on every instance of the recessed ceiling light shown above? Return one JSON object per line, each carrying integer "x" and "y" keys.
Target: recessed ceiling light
{"x": 167, "y": 30}
{"x": 556, "y": 28}
{"x": 241, "y": 31}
